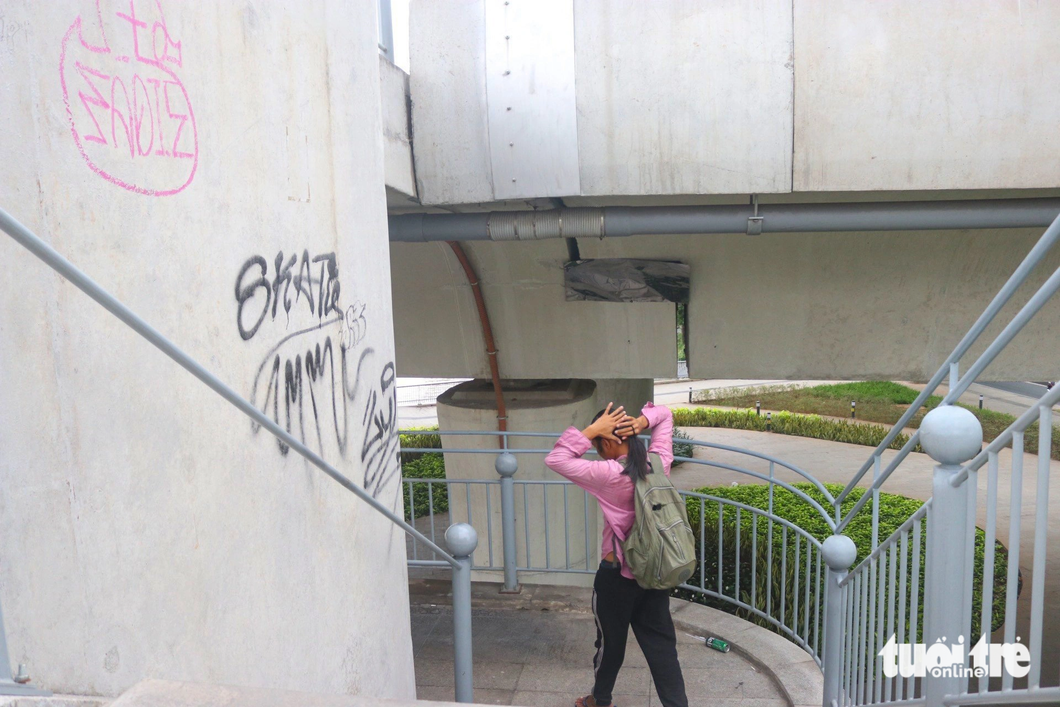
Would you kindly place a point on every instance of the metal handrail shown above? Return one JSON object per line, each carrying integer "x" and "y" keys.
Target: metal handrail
{"x": 1031, "y": 415}
{"x": 1015, "y": 281}
{"x": 703, "y": 462}
{"x": 879, "y": 597}
{"x": 894, "y": 537}
{"x": 1026, "y": 313}
{"x": 803, "y": 589}
{"x": 26, "y": 238}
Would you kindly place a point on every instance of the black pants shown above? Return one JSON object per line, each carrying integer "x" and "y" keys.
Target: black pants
{"x": 618, "y": 604}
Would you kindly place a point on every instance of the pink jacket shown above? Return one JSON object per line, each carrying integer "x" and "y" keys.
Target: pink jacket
{"x": 604, "y": 478}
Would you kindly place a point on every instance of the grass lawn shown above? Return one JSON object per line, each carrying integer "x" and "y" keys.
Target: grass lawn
{"x": 877, "y": 401}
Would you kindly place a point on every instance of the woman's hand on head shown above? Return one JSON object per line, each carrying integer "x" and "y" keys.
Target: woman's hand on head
{"x": 631, "y": 426}
{"x": 606, "y": 425}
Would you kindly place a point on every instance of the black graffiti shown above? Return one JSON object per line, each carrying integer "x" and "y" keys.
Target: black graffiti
{"x": 379, "y": 451}
{"x": 253, "y": 286}
{"x": 314, "y": 381}
{"x": 303, "y": 399}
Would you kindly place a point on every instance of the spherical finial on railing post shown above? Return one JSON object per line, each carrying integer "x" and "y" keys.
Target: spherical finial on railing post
{"x": 506, "y": 464}
{"x": 839, "y": 552}
{"x": 951, "y": 435}
{"x": 461, "y": 539}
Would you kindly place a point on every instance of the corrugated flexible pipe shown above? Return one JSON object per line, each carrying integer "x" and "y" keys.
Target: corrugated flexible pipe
{"x": 619, "y": 221}
{"x": 487, "y": 334}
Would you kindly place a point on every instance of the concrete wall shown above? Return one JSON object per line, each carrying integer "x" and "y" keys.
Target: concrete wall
{"x": 447, "y": 77}
{"x": 839, "y": 305}
{"x": 685, "y": 97}
{"x": 537, "y": 332}
{"x": 733, "y": 97}
{"x": 926, "y": 95}
{"x": 397, "y": 145}
{"x": 147, "y": 530}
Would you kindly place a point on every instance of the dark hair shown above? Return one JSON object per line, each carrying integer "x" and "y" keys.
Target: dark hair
{"x": 637, "y": 464}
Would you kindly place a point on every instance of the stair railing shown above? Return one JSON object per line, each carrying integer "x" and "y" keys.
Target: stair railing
{"x": 460, "y": 538}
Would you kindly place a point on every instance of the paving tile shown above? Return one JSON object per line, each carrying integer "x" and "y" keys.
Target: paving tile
{"x": 434, "y": 693}
{"x": 697, "y": 655}
{"x": 486, "y": 674}
{"x": 633, "y": 681}
{"x": 536, "y": 698}
{"x": 553, "y": 677}
{"x": 706, "y": 683}
{"x": 445, "y": 694}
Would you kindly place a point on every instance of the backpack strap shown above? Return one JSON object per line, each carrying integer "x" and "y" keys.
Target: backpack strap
{"x": 656, "y": 463}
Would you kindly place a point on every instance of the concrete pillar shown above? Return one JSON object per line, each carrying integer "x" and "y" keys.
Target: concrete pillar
{"x": 631, "y": 392}
{"x": 533, "y": 406}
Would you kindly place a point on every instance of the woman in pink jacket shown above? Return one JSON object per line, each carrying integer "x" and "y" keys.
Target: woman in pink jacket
{"x": 618, "y": 601}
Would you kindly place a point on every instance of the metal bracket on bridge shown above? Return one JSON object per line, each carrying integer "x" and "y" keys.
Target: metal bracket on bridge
{"x": 754, "y": 222}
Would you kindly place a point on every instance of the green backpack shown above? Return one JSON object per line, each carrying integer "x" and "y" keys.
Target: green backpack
{"x": 660, "y": 549}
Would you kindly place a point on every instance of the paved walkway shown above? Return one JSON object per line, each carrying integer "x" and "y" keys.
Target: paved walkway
{"x": 836, "y": 462}
{"x": 672, "y": 392}
{"x": 536, "y": 650}
{"x": 1012, "y": 398}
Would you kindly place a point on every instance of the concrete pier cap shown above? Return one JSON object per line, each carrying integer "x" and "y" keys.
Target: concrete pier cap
{"x": 951, "y": 435}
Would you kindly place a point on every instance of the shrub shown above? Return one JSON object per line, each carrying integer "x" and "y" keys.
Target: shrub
{"x": 882, "y": 402}
{"x": 894, "y": 510}
{"x": 788, "y": 423}
{"x": 423, "y": 465}
{"x": 418, "y": 438}
{"x": 429, "y": 465}
{"x": 682, "y": 449}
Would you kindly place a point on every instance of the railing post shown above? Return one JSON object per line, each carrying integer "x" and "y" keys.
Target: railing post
{"x": 461, "y": 539}
{"x": 951, "y": 436}
{"x": 506, "y": 465}
{"x": 839, "y": 554}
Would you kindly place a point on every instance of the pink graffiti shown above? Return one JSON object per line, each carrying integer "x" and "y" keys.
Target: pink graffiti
{"x": 130, "y": 99}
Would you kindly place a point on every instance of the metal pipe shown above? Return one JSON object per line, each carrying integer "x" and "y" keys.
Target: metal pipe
{"x": 487, "y": 335}
{"x": 621, "y": 221}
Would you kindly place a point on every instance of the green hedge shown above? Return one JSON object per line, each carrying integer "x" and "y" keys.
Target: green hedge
{"x": 894, "y": 510}
{"x": 423, "y": 465}
{"x": 418, "y": 438}
{"x": 682, "y": 449}
{"x": 789, "y": 423}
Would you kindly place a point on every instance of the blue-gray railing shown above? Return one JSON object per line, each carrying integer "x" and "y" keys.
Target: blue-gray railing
{"x": 554, "y": 523}
{"x": 930, "y": 555}
{"x": 461, "y": 539}
{"x": 878, "y": 597}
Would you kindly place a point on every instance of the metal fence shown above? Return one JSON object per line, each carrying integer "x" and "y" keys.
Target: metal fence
{"x": 751, "y": 558}
{"x": 936, "y": 582}
{"x": 939, "y": 546}
{"x": 424, "y": 393}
